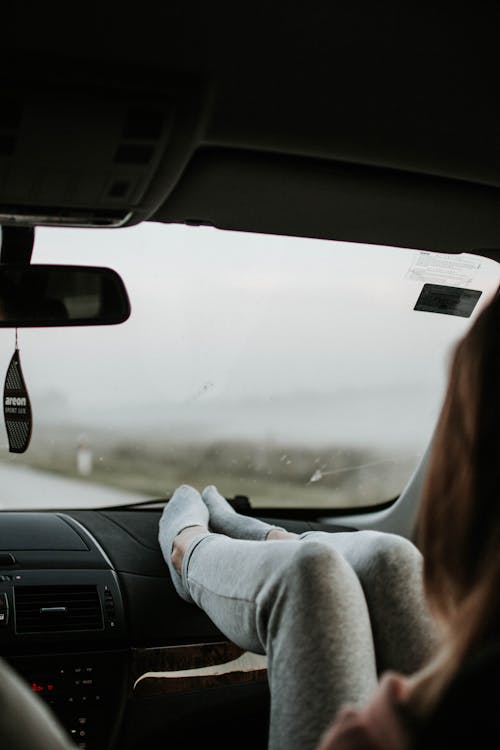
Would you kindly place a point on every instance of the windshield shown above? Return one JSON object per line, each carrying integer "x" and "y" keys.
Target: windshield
{"x": 293, "y": 371}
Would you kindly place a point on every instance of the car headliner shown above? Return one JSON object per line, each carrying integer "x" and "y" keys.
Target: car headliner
{"x": 369, "y": 122}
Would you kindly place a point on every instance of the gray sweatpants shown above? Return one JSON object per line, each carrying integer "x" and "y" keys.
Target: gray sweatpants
{"x": 331, "y": 611}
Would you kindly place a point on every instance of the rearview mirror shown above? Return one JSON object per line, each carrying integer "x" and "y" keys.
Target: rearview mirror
{"x": 50, "y": 295}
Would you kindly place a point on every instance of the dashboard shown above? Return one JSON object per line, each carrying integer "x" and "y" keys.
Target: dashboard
{"x": 90, "y": 619}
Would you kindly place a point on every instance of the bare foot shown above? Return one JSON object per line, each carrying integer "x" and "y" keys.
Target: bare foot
{"x": 184, "y": 539}
{"x": 276, "y": 534}
{"x": 182, "y": 542}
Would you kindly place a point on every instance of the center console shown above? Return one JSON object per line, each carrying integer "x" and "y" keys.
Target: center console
{"x": 62, "y": 623}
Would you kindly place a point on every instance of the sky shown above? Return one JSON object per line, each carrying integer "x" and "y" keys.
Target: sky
{"x": 234, "y": 333}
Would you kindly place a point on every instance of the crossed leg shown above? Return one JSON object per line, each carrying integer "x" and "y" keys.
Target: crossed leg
{"x": 307, "y": 603}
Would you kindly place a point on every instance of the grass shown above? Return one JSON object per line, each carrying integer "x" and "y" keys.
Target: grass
{"x": 274, "y": 476}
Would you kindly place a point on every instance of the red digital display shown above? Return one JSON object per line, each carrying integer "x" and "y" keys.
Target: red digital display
{"x": 38, "y": 687}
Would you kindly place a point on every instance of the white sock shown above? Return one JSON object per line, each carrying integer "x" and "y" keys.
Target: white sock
{"x": 225, "y": 520}
{"x": 184, "y": 509}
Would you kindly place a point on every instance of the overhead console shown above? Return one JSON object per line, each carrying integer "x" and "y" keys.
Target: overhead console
{"x": 92, "y": 150}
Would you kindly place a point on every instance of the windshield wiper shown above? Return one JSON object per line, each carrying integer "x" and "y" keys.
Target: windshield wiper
{"x": 240, "y": 503}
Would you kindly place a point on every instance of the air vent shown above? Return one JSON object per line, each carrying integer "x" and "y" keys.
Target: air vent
{"x": 45, "y": 609}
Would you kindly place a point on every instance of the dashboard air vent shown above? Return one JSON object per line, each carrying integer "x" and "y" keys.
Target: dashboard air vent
{"x": 45, "y": 609}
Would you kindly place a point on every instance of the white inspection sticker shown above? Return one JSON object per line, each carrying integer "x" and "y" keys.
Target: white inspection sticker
{"x": 437, "y": 268}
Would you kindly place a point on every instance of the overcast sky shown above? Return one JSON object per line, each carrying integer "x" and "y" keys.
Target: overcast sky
{"x": 222, "y": 317}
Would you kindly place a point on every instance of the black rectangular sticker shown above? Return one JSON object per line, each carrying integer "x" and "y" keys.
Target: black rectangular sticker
{"x": 447, "y": 300}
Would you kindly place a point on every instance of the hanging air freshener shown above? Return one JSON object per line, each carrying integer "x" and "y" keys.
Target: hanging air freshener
{"x": 16, "y": 406}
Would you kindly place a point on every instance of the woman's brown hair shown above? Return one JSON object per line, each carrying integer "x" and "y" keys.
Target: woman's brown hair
{"x": 459, "y": 521}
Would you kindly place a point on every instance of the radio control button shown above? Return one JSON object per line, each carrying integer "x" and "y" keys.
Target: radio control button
{"x": 4, "y": 610}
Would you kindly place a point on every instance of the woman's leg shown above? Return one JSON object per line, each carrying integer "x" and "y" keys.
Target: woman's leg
{"x": 300, "y": 603}
{"x": 389, "y": 568}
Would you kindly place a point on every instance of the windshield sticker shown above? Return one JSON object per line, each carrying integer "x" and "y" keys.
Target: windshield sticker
{"x": 447, "y": 300}
{"x": 436, "y": 268}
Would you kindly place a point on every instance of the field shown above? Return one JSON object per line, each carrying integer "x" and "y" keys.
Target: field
{"x": 271, "y": 475}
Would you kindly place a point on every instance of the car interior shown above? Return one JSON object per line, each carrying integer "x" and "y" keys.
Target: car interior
{"x": 371, "y": 125}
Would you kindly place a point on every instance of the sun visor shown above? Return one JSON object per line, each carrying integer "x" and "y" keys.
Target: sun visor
{"x": 302, "y": 197}
{"x": 94, "y": 155}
